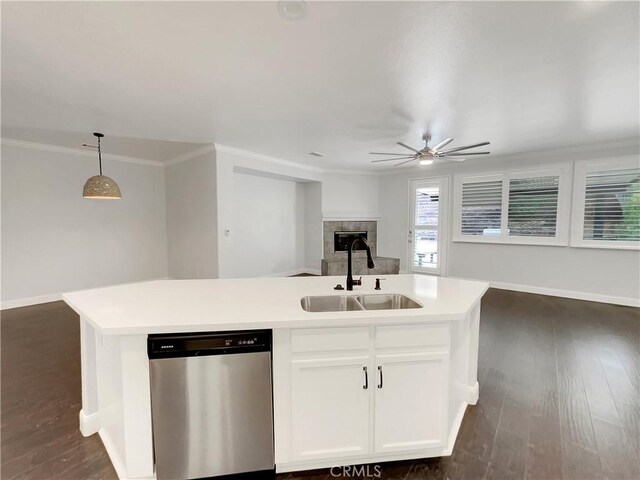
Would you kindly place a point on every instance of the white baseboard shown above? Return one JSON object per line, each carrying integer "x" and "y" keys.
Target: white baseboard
{"x": 554, "y": 292}
{"x": 54, "y": 297}
{"x": 455, "y": 428}
{"x": 473, "y": 393}
{"x": 89, "y": 424}
{"x": 112, "y": 451}
{"x": 117, "y": 461}
{"x": 24, "y": 302}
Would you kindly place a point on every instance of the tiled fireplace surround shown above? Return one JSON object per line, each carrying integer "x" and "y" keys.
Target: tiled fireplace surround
{"x": 335, "y": 263}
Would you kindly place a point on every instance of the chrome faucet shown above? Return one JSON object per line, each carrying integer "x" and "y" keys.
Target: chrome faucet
{"x": 370, "y": 264}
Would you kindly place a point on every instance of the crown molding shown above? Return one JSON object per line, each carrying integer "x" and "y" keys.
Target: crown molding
{"x": 288, "y": 163}
{"x": 350, "y": 217}
{"x": 371, "y": 173}
{"x": 266, "y": 158}
{"x": 45, "y": 147}
{"x": 608, "y": 149}
{"x": 189, "y": 155}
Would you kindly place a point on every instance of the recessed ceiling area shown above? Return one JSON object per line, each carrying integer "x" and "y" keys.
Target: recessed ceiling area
{"x": 348, "y": 78}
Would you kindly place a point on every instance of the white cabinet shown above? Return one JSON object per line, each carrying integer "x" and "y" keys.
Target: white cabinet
{"x": 410, "y": 401}
{"x": 362, "y": 391}
{"x": 329, "y": 408}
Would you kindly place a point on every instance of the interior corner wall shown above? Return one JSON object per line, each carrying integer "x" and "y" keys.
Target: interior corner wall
{"x": 191, "y": 204}
{"x": 54, "y": 241}
{"x": 262, "y": 215}
{"x": 313, "y": 227}
{"x": 267, "y": 231}
{"x": 591, "y": 272}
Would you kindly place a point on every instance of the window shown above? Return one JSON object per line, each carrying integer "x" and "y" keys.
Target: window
{"x": 533, "y": 206}
{"x": 513, "y": 207}
{"x": 607, "y": 205}
{"x": 426, "y": 245}
{"x": 481, "y": 207}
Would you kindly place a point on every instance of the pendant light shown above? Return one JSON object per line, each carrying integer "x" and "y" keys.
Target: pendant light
{"x": 101, "y": 186}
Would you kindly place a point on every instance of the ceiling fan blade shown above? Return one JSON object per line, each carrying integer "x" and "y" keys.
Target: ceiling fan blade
{"x": 380, "y": 153}
{"x": 402, "y": 163}
{"x": 389, "y": 159}
{"x": 467, "y": 153}
{"x": 452, "y": 159}
{"x": 407, "y": 146}
{"x": 465, "y": 147}
{"x": 446, "y": 141}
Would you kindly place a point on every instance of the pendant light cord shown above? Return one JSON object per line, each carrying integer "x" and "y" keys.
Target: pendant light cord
{"x": 99, "y": 156}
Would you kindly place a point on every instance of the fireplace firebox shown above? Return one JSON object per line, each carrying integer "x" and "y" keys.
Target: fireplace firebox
{"x": 342, "y": 240}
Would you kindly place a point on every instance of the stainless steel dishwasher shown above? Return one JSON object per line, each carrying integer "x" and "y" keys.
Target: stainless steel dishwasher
{"x": 211, "y": 404}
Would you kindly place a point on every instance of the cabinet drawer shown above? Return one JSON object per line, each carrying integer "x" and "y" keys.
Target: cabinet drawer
{"x": 329, "y": 339}
{"x": 412, "y": 336}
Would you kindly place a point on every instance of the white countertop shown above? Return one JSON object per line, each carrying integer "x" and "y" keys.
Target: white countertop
{"x": 173, "y": 306}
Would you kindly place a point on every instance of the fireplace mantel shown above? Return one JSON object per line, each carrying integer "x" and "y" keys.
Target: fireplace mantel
{"x": 349, "y": 217}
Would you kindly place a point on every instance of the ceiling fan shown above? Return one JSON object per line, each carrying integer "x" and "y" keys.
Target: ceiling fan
{"x": 427, "y": 155}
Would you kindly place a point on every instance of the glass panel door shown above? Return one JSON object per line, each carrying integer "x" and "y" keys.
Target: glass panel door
{"x": 427, "y": 203}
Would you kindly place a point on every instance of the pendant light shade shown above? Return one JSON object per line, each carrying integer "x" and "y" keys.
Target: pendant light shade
{"x": 101, "y": 186}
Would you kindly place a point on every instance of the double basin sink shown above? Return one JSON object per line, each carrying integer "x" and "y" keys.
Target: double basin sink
{"x": 349, "y": 303}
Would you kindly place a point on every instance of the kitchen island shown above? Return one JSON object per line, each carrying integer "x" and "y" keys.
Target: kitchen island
{"x": 349, "y": 387}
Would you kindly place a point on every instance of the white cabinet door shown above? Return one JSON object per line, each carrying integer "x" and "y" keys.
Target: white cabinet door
{"x": 410, "y": 401}
{"x": 330, "y": 407}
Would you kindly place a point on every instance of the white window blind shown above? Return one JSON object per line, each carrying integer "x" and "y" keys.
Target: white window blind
{"x": 519, "y": 206}
{"x": 612, "y": 205}
{"x": 481, "y": 208}
{"x": 533, "y": 206}
{"x": 425, "y": 227}
{"x": 427, "y": 206}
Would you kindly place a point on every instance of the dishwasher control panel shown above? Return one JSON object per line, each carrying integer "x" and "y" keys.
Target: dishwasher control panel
{"x": 216, "y": 343}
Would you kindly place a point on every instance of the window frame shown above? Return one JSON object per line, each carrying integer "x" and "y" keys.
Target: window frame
{"x": 561, "y": 237}
{"x": 581, "y": 169}
{"x": 442, "y": 229}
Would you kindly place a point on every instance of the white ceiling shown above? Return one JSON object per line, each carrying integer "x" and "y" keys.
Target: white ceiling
{"x": 349, "y": 78}
{"x": 156, "y": 150}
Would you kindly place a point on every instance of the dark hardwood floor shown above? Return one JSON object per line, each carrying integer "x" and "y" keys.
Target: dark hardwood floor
{"x": 559, "y": 397}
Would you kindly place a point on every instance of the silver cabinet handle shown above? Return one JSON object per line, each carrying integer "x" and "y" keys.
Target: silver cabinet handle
{"x": 381, "y": 384}
{"x": 366, "y": 378}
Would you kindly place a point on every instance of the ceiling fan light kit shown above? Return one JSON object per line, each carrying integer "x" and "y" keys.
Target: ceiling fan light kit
{"x": 101, "y": 187}
{"x": 428, "y": 155}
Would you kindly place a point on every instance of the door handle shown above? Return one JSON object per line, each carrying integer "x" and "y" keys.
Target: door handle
{"x": 381, "y": 384}
{"x": 366, "y": 378}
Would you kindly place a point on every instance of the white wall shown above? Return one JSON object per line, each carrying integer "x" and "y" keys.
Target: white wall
{"x": 597, "y": 272}
{"x": 350, "y": 196}
{"x": 192, "y": 234}
{"x": 267, "y": 232}
{"x": 313, "y": 226}
{"x": 55, "y": 241}
{"x": 279, "y": 220}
